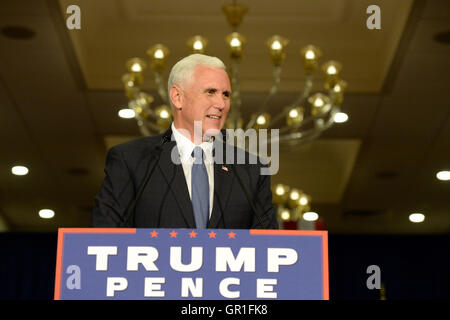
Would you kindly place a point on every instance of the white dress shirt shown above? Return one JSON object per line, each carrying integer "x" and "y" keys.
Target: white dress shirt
{"x": 185, "y": 148}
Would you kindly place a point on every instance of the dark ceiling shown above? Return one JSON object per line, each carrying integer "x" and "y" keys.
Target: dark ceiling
{"x": 364, "y": 176}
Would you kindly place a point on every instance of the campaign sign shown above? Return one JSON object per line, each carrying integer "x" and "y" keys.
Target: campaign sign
{"x": 177, "y": 264}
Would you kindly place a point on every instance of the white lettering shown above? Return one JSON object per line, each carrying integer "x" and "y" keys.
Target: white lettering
{"x": 152, "y": 287}
{"x": 225, "y": 257}
{"x": 264, "y": 288}
{"x": 196, "y": 259}
{"x": 142, "y": 255}
{"x": 225, "y": 292}
{"x": 102, "y": 254}
{"x": 188, "y": 285}
{"x": 280, "y": 256}
{"x": 114, "y": 284}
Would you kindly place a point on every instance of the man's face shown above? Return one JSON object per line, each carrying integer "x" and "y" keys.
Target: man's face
{"x": 205, "y": 98}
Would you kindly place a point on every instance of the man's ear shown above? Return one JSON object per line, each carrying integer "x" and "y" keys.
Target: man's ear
{"x": 176, "y": 96}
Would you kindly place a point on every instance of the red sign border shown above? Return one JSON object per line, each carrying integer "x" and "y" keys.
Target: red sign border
{"x": 59, "y": 252}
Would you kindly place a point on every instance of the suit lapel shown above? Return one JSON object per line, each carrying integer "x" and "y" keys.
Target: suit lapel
{"x": 174, "y": 175}
{"x": 223, "y": 180}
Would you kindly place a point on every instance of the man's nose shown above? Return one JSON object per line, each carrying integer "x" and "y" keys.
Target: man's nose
{"x": 221, "y": 103}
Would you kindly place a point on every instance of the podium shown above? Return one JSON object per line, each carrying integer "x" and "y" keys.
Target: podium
{"x": 191, "y": 264}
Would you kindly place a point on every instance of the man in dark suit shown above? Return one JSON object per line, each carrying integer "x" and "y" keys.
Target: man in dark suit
{"x": 179, "y": 179}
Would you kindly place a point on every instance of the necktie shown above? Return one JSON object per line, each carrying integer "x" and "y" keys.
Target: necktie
{"x": 200, "y": 189}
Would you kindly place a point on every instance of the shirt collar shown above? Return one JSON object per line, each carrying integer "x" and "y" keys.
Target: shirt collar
{"x": 186, "y": 146}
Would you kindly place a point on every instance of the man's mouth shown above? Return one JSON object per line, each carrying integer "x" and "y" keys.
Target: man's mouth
{"x": 214, "y": 117}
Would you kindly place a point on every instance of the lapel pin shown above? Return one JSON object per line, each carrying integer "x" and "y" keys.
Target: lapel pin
{"x": 224, "y": 168}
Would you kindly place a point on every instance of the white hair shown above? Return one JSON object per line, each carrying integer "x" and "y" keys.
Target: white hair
{"x": 183, "y": 70}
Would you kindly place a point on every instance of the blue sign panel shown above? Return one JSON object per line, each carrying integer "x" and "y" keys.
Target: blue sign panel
{"x": 177, "y": 264}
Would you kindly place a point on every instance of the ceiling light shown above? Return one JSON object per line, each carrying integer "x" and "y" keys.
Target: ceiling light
{"x": 443, "y": 175}
{"x": 159, "y": 54}
{"x": 340, "y": 117}
{"x": 294, "y": 194}
{"x": 276, "y": 45}
{"x": 136, "y": 67}
{"x": 331, "y": 70}
{"x": 46, "y": 213}
{"x": 17, "y": 32}
{"x": 164, "y": 114}
{"x": 235, "y": 42}
{"x": 318, "y": 102}
{"x": 310, "y": 216}
{"x": 310, "y": 54}
{"x": 285, "y": 215}
{"x": 261, "y": 120}
{"x": 416, "y": 217}
{"x": 293, "y": 113}
{"x": 303, "y": 200}
{"x": 198, "y": 45}
{"x": 443, "y": 37}
{"x": 126, "y": 113}
{"x": 19, "y": 170}
{"x": 280, "y": 190}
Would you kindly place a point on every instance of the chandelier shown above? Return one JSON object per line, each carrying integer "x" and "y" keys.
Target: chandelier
{"x": 291, "y": 203}
{"x": 301, "y": 121}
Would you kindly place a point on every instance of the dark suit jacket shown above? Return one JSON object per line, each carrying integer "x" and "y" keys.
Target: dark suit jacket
{"x": 165, "y": 201}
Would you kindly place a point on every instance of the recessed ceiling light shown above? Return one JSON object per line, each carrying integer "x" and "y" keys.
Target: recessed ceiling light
{"x": 19, "y": 170}
{"x": 46, "y": 213}
{"x": 126, "y": 113}
{"x": 78, "y": 171}
{"x": 416, "y": 217}
{"x": 443, "y": 175}
{"x": 443, "y": 37}
{"x": 340, "y": 117}
{"x": 386, "y": 174}
{"x": 17, "y": 32}
{"x": 310, "y": 216}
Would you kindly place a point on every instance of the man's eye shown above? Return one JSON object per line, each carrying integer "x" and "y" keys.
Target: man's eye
{"x": 226, "y": 94}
